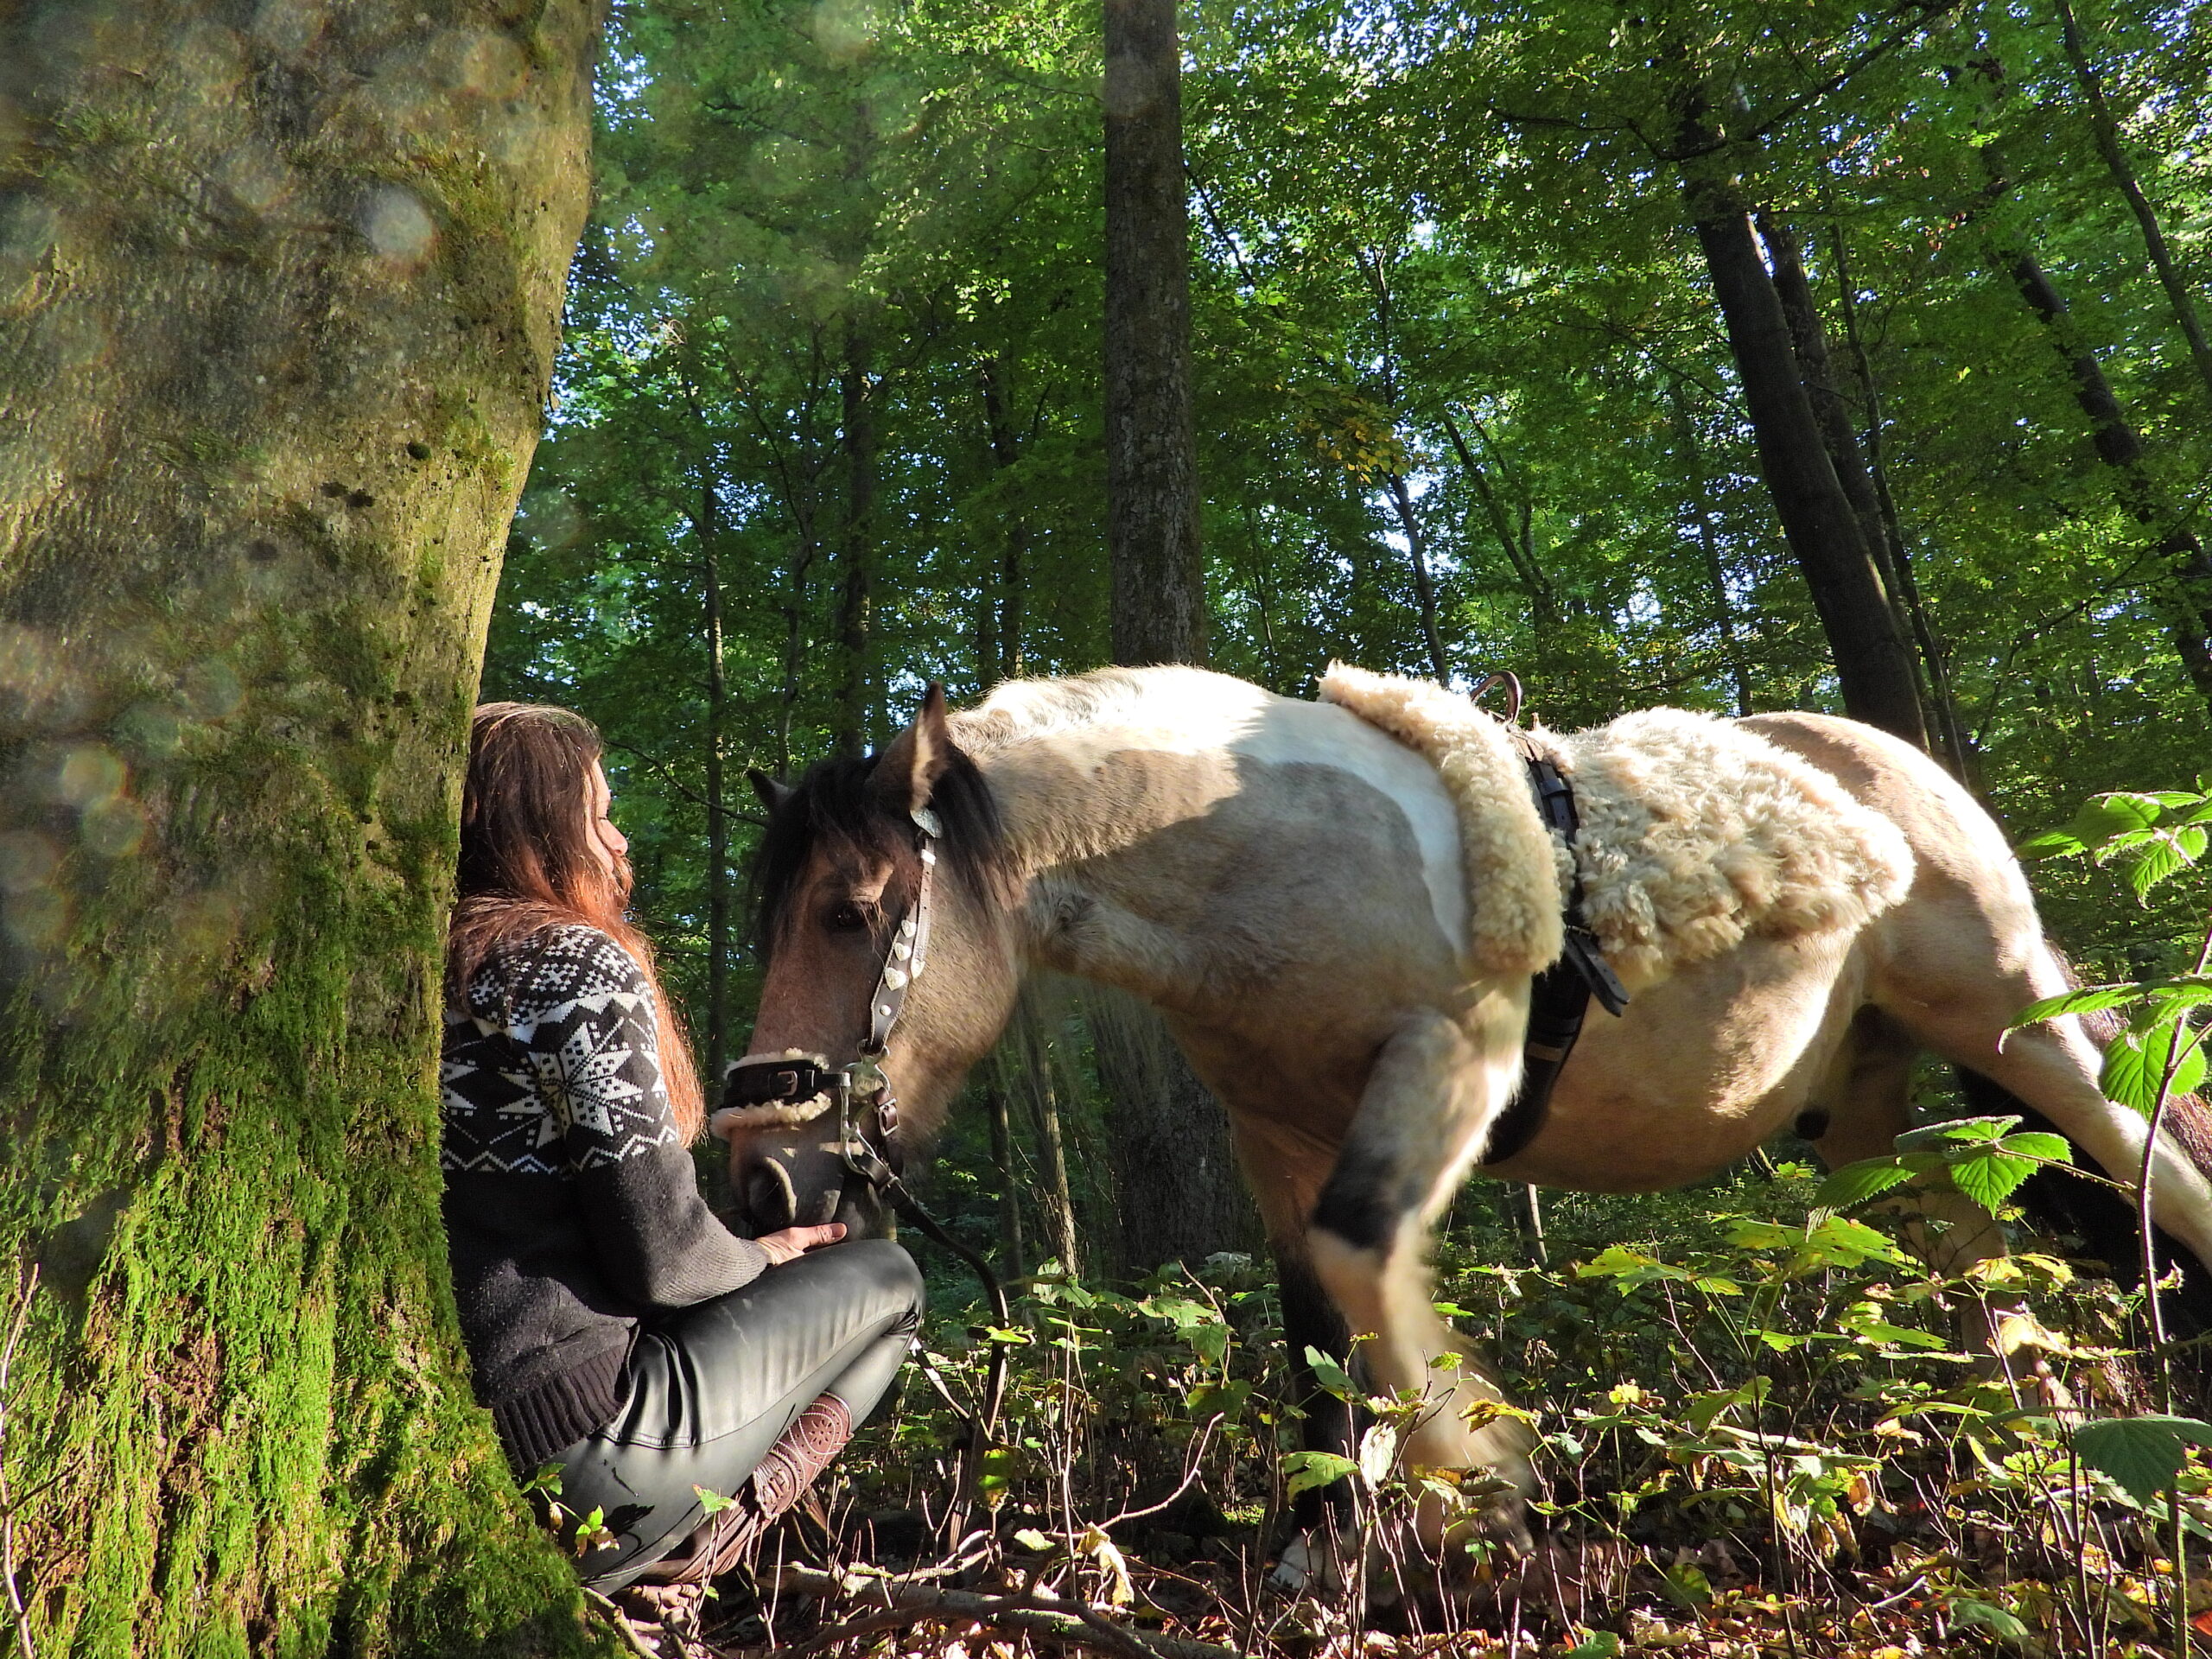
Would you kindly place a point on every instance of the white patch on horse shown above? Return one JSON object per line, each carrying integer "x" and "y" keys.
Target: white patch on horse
{"x": 1172, "y": 709}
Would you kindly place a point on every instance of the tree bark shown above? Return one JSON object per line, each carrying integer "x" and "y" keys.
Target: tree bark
{"x": 1935, "y": 651}
{"x": 1716, "y": 574}
{"x": 278, "y": 309}
{"x": 1152, "y": 487}
{"x": 2106, "y": 130}
{"x": 1176, "y": 1182}
{"x": 856, "y": 550}
{"x": 1004, "y": 622}
{"x": 1402, "y": 499}
{"x": 718, "y": 883}
{"x": 2185, "y": 597}
{"x": 1159, "y": 601}
{"x": 1873, "y": 661}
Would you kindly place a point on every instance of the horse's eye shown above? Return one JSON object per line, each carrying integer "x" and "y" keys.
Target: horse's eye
{"x": 846, "y": 918}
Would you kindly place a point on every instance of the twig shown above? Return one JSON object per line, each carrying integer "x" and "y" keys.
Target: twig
{"x": 625, "y": 1632}
{"x": 7, "y": 1506}
{"x": 1036, "y": 1613}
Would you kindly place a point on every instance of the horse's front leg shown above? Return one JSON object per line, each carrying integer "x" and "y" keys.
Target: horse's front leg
{"x": 1438, "y": 1086}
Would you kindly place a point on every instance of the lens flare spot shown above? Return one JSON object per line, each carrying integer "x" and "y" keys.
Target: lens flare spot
{"x": 28, "y": 859}
{"x": 90, "y": 774}
{"x": 398, "y": 226}
{"x": 115, "y": 828}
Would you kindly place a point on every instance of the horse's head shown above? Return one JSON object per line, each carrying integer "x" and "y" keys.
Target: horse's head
{"x": 840, "y": 875}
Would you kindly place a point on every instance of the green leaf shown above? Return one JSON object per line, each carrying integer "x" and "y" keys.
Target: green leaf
{"x": 1303, "y": 1471}
{"x": 1331, "y": 1377}
{"x": 1209, "y": 1342}
{"x": 2088, "y": 999}
{"x": 1599, "y": 1644}
{"x": 1686, "y": 1586}
{"x": 2143, "y": 1454}
{"x": 2052, "y": 843}
{"x": 711, "y": 1502}
{"x": 1856, "y": 1183}
{"x": 2049, "y": 1148}
{"x": 1952, "y": 1132}
{"x": 1990, "y": 1177}
{"x": 1964, "y": 1610}
{"x": 2138, "y": 1061}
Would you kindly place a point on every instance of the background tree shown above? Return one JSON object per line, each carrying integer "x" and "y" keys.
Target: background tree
{"x": 277, "y": 304}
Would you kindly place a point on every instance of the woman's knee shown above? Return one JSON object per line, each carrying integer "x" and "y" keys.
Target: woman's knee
{"x": 887, "y": 1273}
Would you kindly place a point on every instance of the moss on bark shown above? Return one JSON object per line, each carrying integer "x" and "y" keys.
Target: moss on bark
{"x": 279, "y": 285}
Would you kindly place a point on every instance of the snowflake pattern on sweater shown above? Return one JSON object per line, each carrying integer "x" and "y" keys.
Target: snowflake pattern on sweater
{"x": 554, "y": 1068}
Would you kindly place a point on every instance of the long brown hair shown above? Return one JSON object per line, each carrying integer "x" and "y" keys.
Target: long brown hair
{"x": 527, "y": 864}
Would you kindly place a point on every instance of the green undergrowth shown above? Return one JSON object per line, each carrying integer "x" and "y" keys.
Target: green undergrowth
{"x": 1758, "y": 1423}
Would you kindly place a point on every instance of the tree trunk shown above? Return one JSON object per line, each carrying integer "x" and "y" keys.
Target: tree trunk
{"x": 1026, "y": 1060}
{"x": 277, "y": 319}
{"x": 1005, "y": 620}
{"x": 2185, "y": 597}
{"x": 1543, "y": 603}
{"x": 856, "y": 550}
{"x": 1708, "y": 542}
{"x": 1873, "y": 662}
{"x": 1152, "y": 534}
{"x": 1010, "y": 1240}
{"x": 1402, "y": 499}
{"x": 2123, "y": 176}
{"x": 1176, "y": 1181}
{"x": 1935, "y": 652}
{"x": 718, "y": 884}
{"x": 1152, "y": 484}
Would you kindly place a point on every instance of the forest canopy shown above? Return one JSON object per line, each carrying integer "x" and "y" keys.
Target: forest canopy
{"x": 832, "y": 349}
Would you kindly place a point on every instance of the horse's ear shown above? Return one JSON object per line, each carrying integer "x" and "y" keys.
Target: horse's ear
{"x": 773, "y": 794}
{"x": 907, "y": 773}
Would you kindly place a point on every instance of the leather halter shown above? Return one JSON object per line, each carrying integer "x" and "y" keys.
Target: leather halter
{"x": 1558, "y": 999}
{"x": 780, "y": 1090}
{"x": 770, "y": 1091}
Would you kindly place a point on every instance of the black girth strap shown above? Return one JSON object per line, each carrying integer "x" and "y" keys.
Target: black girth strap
{"x": 1560, "y": 995}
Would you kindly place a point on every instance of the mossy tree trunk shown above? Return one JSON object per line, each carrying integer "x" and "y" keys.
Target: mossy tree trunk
{"x": 279, "y": 287}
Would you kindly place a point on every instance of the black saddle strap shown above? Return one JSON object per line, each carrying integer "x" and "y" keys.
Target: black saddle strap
{"x": 1560, "y": 997}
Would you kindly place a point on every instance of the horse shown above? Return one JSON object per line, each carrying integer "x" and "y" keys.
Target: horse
{"x": 1343, "y": 945}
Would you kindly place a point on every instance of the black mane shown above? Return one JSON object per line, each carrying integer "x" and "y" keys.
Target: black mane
{"x": 836, "y": 803}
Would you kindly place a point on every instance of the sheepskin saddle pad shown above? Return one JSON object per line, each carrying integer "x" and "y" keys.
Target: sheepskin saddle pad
{"x": 1695, "y": 834}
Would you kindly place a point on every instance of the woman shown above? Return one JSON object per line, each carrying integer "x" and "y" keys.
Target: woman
{"x": 616, "y": 1329}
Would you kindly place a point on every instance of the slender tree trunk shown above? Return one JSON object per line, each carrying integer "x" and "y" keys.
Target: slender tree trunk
{"x": 1152, "y": 509}
{"x": 856, "y": 550}
{"x": 718, "y": 884}
{"x": 2185, "y": 596}
{"x": 1402, "y": 499}
{"x": 1026, "y": 1063}
{"x": 1005, "y": 621}
{"x": 275, "y": 365}
{"x": 1010, "y": 1183}
{"x": 2123, "y": 176}
{"x": 1543, "y": 601}
{"x": 1716, "y": 574}
{"x": 1152, "y": 485}
{"x": 1873, "y": 661}
{"x": 1935, "y": 651}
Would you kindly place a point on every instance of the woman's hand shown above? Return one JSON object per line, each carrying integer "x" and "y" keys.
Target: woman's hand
{"x": 794, "y": 1241}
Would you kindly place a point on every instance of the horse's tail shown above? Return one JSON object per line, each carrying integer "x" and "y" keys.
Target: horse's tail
{"x": 2060, "y": 1205}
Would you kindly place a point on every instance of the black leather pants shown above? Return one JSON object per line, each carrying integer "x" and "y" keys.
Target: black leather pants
{"x": 712, "y": 1387}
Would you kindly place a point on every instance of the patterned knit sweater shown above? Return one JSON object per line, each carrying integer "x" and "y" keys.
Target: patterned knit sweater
{"x": 572, "y": 1208}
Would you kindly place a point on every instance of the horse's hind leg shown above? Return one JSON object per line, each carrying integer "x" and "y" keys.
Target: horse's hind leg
{"x": 1436, "y": 1089}
{"x": 2054, "y": 1068}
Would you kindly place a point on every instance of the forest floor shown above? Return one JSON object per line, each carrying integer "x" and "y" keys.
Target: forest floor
{"x": 1759, "y": 1437}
